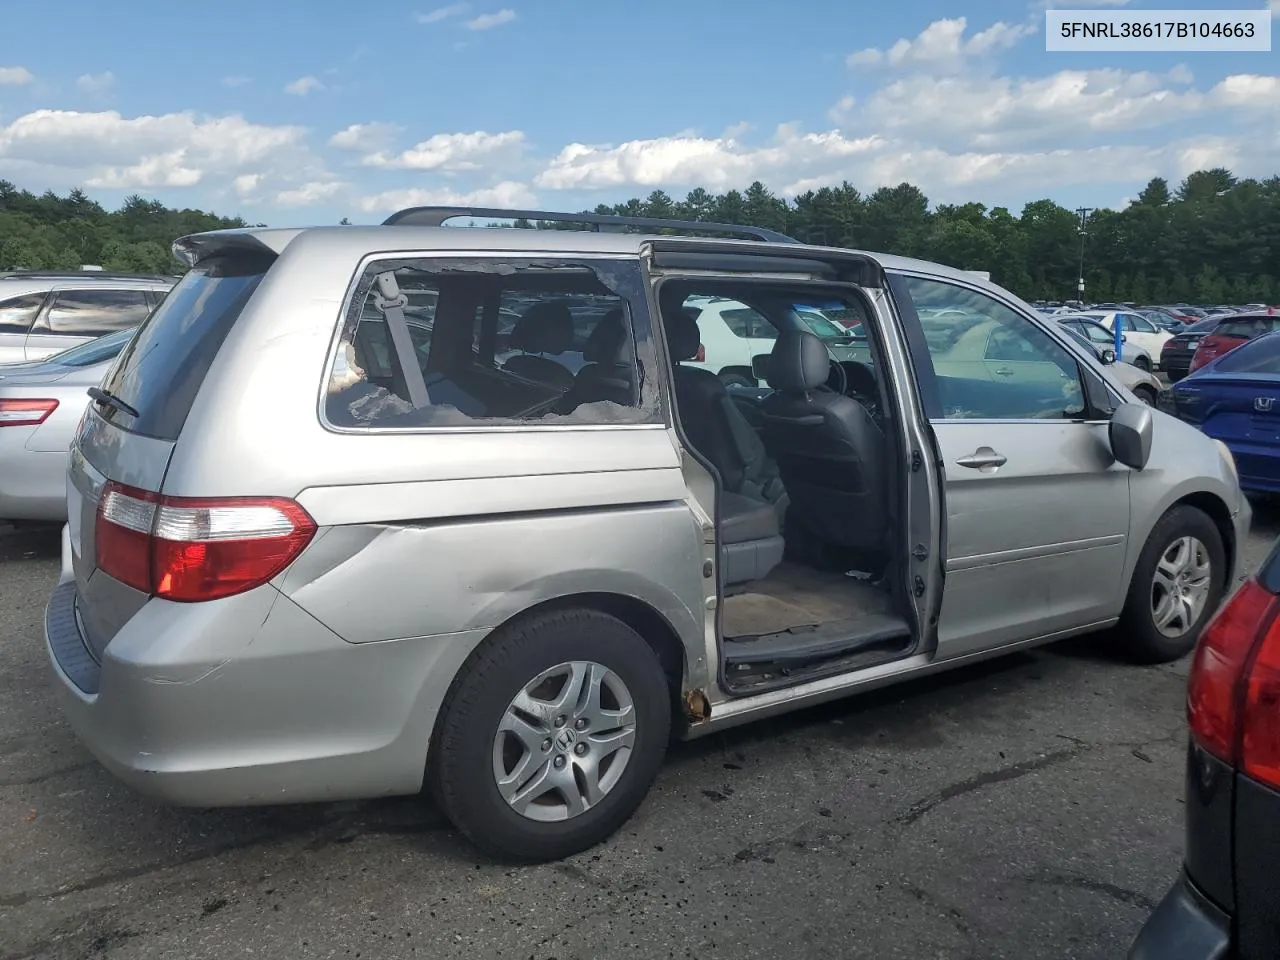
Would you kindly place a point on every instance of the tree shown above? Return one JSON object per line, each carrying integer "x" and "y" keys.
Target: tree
{"x": 1216, "y": 238}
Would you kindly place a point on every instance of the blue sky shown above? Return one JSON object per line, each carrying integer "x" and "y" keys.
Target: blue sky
{"x": 298, "y": 112}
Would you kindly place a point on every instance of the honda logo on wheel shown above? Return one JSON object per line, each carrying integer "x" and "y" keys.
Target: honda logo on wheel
{"x": 1263, "y": 404}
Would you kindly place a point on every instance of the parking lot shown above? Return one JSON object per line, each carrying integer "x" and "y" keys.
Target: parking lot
{"x": 1026, "y": 808}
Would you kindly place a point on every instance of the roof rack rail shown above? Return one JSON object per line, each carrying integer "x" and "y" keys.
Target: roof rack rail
{"x": 83, "y": 275}
{"x": 436, "y": 217}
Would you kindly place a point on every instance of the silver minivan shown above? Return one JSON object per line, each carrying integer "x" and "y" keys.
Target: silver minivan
{"x": 361, "y": 509}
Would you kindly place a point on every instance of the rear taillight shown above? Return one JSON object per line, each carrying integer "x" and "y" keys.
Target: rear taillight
{"x": 25, "y": 413}
{"x": 701, "y": 355}
{"x": 191, "y": 549}
{"x": 1233, "y": 692}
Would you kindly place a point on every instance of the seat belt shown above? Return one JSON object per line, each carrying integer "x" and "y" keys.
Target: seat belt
{"x": 390, "y": 301}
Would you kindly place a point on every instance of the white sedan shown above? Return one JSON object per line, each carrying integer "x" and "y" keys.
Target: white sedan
{"x": 1137, "y": 328}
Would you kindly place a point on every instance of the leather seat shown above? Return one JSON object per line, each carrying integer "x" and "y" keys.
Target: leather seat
{"x": 544, "y": 331}
{"x": 609, "y": 372}
{"x": 714, "y": 424}
{"x": 752, "y": 500}
{"x": 829, "y": 449}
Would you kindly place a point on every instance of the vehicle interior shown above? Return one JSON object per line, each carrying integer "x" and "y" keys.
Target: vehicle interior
{"x": 807, "y": 509}
{"x": 527, "y": 345}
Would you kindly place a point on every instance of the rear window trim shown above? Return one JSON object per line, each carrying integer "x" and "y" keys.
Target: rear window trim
{"x": 646, "y": 355}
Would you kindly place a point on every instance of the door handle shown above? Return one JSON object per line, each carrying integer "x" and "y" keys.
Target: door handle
{"x": 1004, "y": 372}
{"x": 984, "y": 458}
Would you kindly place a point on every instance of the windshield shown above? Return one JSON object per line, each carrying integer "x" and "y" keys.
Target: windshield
{"x": 164, "y": 365}
{"x": 95, "y": 351}
{"x": 823, "y": 327}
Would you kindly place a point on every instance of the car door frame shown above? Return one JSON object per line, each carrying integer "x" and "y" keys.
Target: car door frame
{"x": 17, "y": 342}
{"x": 73, "y": 340}
{"x": 1100, "y": 399}
{"x": 861, "y": 274}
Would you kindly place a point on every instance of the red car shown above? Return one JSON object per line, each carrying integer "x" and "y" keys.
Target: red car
{"x": 1230, "y": 333}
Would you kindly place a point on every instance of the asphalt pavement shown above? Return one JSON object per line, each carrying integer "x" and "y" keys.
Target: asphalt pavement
{"x": 1028, "y": 808}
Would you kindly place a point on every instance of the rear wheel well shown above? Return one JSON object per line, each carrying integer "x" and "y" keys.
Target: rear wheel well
{"x": 640, "y": 617}
{"x": 1217, "y": 511}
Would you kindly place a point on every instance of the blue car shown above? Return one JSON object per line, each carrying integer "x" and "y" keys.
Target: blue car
{"x": 1236, "y": 399}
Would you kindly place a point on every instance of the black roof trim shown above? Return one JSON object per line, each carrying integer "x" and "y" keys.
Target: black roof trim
{"x": 437, "y": 216}
{"x": 83, "y": 275}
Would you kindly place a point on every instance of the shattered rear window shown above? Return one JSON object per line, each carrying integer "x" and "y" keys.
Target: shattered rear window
{"x": 495, "y": 342}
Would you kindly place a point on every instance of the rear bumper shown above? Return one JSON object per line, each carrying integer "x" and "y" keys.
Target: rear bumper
{"x": 33, "y": 483}
{"x": 1184, "y": 926}
{"x": 250, "y": 701}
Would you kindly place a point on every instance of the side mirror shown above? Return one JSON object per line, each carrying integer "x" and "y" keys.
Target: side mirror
{"x": 760, "y": 366}
{"x": 1123, "y": 338}
{"x": 1130, "y": 434}
{"x": 1108, "y": 355}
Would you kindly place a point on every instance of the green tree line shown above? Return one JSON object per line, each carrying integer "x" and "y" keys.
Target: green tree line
{"x": 1213, "y": 239}
{"x": 50, "y": 232}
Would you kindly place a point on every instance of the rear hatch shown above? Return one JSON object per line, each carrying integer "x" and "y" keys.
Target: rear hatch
{"x": 129, "y": 430}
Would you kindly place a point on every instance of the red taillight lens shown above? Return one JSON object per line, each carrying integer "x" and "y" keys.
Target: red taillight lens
{"x": 1260, "y": 739}
{"x": 25, "y": 413}
{"x": 701, "y": 355}
{"x": 191, "y": 549}
{"x": 1218, "y": 668}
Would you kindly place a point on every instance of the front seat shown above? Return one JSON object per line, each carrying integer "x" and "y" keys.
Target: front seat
{"x": 753, "y": 501}
{"x": 714, "y": 424}
{"x": 830, "y": 451}
{"x": 545, "y": 329}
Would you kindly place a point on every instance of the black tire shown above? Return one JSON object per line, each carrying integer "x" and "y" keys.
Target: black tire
{"x": 1146, "y": 395}
{"x": 460, "y": 770}
{"x": 736, "y": 380}
{"x": 1140, "y": 639}
{"x": 1143, "y": 364}
{"x": 1174, "y": 375}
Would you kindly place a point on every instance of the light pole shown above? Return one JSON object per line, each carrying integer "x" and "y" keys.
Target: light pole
{"x": 1083, "y": 214}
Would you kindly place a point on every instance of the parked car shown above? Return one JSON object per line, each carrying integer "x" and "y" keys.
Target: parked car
{"x": 1223, "y": 905}
{"x": 41, "y": 402}
{"x": 1236, "y": 399}
{"x": 1229, "y": 333}
{"x": 1178, "y": 351}
{"x": 1100, "y": 336}
{"x": 1144, "y": 385}
{"x": 46, "y": 312}
{"x": 290, "y": 574}
{"x": 1136, "y": 328}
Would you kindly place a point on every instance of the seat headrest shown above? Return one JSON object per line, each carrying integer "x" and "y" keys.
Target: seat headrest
{"x": 546, "y": 327}
{"x": 608, "y": 340}
{"x": 799, "y": 361}
{"x": 683, "y": 336}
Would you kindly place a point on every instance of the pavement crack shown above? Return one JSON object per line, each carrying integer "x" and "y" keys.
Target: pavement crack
{"x": 47, "y": 775}
{"x": 1115, "y": 892}
{"x": 986, "y": 779}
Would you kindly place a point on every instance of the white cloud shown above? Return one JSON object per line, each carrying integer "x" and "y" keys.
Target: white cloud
{"x": 442, "y": 13}
{"x": 62, "y": 148}
{"x": 508, "y": 194}
{"x": 717, "y": 163}
{"x": 96, "y": 84}
{"x": 1066, "y": 107}
{"x": 236, "y": 80}
{"x": 453, "y": 152}
{"x": 303, "y": 85}
{"x": 159, "y": 170}
{"x": 308, "y": 193}
{"x": 15, "y": 76}
{"x": 247, "y": 183}
{"x": 943, "y": 45}
{"x": 487, "y": 21}
{"x": 369, "y": 137}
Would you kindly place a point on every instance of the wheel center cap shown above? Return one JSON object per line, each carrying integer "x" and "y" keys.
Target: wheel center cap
{"x": 566, "y": 738}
